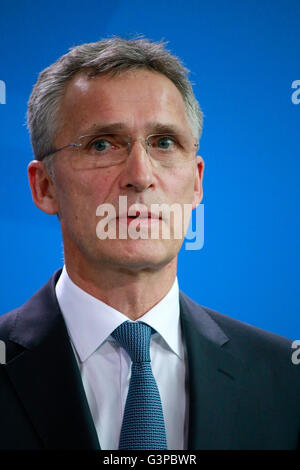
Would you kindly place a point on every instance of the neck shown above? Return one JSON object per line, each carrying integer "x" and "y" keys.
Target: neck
{"x": 131, "y": 292}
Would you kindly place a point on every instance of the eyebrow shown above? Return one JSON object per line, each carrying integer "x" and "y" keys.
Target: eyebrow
{"x": 151, "y": 128}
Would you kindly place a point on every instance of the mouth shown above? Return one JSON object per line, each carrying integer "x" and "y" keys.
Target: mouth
{"x": 134, "y": 214}
{"x": 139, "y": 218}
{"x": 148, "y": 215}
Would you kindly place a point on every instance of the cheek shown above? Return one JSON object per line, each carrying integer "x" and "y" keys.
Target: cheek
{"x": 79, "y": 196}
{"x": 182, "y": 183}
{"x": 73, "y": 185}
{"x": 72, "y": 197}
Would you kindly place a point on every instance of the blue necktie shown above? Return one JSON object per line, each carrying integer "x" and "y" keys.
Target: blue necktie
{"x": 143, "y": 426}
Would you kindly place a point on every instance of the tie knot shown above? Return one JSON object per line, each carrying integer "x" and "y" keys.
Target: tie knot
{"x": 135, "y": 339}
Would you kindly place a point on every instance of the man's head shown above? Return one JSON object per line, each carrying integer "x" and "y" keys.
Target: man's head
{"x": 138, "y": 88}
{"x": 106, "y": 57}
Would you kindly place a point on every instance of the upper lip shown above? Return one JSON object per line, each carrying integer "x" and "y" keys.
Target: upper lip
{"x": 142, "y": 213}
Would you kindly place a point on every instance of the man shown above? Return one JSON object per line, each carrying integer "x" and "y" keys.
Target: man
{"x": 111, "y": 120}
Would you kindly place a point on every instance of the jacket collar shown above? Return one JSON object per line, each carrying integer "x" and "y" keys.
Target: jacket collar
{"x": 215, "y": 378}
{"x": 46, "y": 376}
{"x": 45, "y": 367}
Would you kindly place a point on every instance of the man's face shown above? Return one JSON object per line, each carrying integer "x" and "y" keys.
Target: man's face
{"x": 138, "y": 103}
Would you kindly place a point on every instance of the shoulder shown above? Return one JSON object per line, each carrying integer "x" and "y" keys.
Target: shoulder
{"x": 28, "y": 324}
{"x": 7, "y": 323}
{"x": 254, "y": 345}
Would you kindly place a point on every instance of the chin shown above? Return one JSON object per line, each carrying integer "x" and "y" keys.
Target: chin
{"x": 141, "y": 254}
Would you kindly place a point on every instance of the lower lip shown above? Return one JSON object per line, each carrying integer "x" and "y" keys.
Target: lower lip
{"x": 139, "y": 221}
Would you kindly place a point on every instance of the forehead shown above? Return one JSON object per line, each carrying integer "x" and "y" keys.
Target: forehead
{"x": 134, "y": 98}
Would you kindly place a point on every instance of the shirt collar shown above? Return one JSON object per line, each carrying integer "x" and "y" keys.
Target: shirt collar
{"x": 90, "y": 321}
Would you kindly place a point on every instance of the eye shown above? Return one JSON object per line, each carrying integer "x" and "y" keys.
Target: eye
{"x": 164, "y": 142}
{"x": 101, "y": 145}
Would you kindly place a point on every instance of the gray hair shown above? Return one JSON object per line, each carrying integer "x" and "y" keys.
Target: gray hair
{"x": 109, "y": 56}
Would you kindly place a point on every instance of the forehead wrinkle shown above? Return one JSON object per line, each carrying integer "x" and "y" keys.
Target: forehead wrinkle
{"x": 149, "y": 128}
{"x": 100, "y": 95}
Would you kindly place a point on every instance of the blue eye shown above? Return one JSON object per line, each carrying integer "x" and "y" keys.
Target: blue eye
{"x": 101, "y": 144}
{"x": 164, "y": 142}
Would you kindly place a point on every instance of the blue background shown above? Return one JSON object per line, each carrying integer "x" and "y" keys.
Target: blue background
{"x": 244, "y": 56}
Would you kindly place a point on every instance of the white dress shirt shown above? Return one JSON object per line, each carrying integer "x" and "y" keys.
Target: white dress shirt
{"x": 105, "y": 366}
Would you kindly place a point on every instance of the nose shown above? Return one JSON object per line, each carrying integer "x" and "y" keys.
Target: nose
{"x": 138, "y": 170}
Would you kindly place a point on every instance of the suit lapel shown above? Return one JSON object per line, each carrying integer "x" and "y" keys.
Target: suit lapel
{"x": 215, "y": 378}
{"x": 46, "y": 376}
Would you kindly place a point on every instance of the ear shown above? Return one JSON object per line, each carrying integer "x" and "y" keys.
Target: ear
{"x": 42, "y": 187}
{"x": 198, "y": 187}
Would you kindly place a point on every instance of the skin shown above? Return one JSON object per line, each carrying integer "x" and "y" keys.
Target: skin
{"x": 129, "y": 275}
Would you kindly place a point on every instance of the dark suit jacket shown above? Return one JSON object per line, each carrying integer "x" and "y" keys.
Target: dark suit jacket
{"x": 244, "y": 389}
